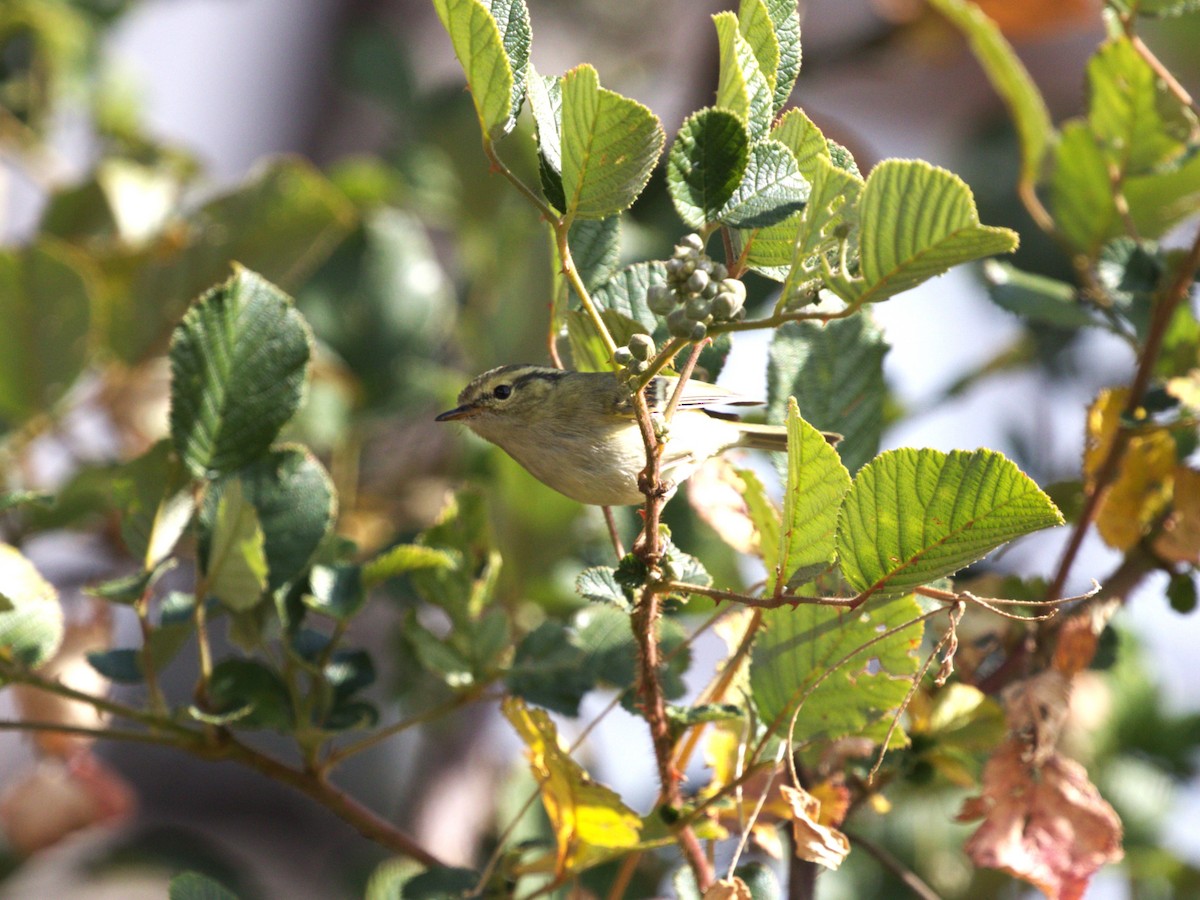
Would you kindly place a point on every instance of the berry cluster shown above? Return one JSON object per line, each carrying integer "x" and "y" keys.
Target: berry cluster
{"x": 697, "y": 293}
{"x": 634, "y": 358}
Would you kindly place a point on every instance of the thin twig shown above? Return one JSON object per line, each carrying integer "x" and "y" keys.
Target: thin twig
{"x": 910, "y": 878}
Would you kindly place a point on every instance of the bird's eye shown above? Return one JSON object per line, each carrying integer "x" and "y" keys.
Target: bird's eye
{"x": 502, "y": 391}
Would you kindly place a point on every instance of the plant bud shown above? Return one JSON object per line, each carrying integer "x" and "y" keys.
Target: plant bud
{"x": 674, "y": 267}
{"x": 733, "y": 286}
{"x": 622, "y": 356}
{"x": 691, "y": 241}
{"x": 710, "y": 290}
{"x": 719, "y": 272}
{"x": 725, "y": 305}
{"x": 641, "y": 346}
{"x": 699, "y": 332}
{"x": 697, "y": 281}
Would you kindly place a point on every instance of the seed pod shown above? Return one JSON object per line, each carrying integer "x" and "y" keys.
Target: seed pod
{"x": 697, "y": 281}
{"x": 641, "y": 346}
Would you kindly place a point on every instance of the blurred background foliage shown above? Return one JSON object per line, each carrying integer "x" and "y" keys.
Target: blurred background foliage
{"x": 416, "y": 268}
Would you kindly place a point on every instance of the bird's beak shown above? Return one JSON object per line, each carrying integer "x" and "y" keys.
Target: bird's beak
{"x": 459, "y": 412}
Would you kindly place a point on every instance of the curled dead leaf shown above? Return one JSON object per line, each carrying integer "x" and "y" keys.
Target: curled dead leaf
{"x": 728, "y": 889}
{"x": 1045, "y": 824}
{"x": 814, "y": 842}
{"x": 1036, "y": 709}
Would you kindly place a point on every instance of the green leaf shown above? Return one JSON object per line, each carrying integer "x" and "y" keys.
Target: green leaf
{"x": 404, "y": 558}
{"x": 610, "y": 145}
{"x": 684, "y": 717}
{"x": 611, "y": 651}
{"x": 1161, "y": 200}
{"x": 742, "y": 86}
{"x": 31, "y": 617}
{"x": 235, "y": 564}
{"x": 625, "y": 293}
{"x": 545, "y": 103}
{"x": 440, "y": 884}
{"x": 1010, "y": 80}
{"x": 706, "y": 163}
{"x": 755, "y": 25}
{"x": 1035, "y": 298}
{"x": 913, "y": 516}
{"x": 238, "y": 362}
{"x": 17, "y": 499}
{"x": 831, "y": 215}
{"x": 480, "y": 48}
{"x": 835, "y": 372}
{"x": 45, "y": 305}
{"x": 124, "y": 666}
{"x": 1081, "y": 194}
{"x": 512, "y": 19}
{"x": 794, "y": 661}
{"x": 247, "y": 694}
{"x": 816, "y": 483}
{"x": 797, "y": 132}
{"x": 1137, "y": 121}
{"x": 549, "y": 669}
{"x": 771, "y": 190}
{"x": 598, "y": 584}
{"x": 1163, "y": 9}
{"x": 765, "y": 516}
{"x": 595, "y": 249}
{"x": 916, "y": 221}
{"x": 194, "y": 886}
{"x": 336, "y": 591}
{"x": 154, "y": 494}
{"x": 785, "y": 16}
{"x": 465, "y": 588}
{"x": 129, "y": 589}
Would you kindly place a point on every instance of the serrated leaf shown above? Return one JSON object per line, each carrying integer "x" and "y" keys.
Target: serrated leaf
{"x": 1137, "y": 121}
{"x": 465, "y": 588}
{"x": 545, "y": 103}
{"x": 129, "y": 589}
{"x": 238, "y": 363}
{"x": 45, "y": 305}
{"x": 404, "y": 558}
{"x": 765, "y": 516}
{"x": 604, "y": 635}
{"x": 598, "y": 584}
{"x": 512, "y": 20}
{"x": 1035, "y": 298}
{"x": 625, "y": 294}
{"x": 915, "y": 222}
{"x": 706, "y": 163}
{"x": 913, "y": 516}
{"x": 816, "y": 483}
{"x": 610, "y": 145}
{"x": 771, "y": 190}
{"x": 797, "y": 132}
{"x": 831, "y": 214}
{"x": 835, "y": 372}
{"x": 755, "y": 25}
{"x": 742, "y": 86}
{"x": 480, "y": 48}
{"x": 154, "y": 493}
{"x": 31, "y": 617}
{"x": 1009, "y": 79}
{"x": 785, "y": 16}
{"x": 589, "y": 821}
{"x": 797, "y": 647}
{"x": 236, "y": 561}
{"x": 1161, "y": 200}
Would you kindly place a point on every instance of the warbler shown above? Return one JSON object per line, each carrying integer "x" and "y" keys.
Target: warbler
{"x": 576, "y": 431}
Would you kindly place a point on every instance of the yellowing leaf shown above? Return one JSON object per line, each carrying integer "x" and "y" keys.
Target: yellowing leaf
{"x": 589, "y": 820}
{"x": 1143, "y": 485}
{"x": 1180, "y": 538}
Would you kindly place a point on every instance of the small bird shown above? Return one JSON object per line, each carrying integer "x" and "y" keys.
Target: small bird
{"x": 576, "y": 432}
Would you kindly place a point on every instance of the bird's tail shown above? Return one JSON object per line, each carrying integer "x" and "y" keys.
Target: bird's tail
{"x": 772, "y": 437}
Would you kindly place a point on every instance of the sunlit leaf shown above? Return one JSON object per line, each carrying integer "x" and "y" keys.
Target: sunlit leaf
{"x": 785, "y": 17}
{"x": 31, "y": 617}
{"x": 589, "y": 821}
{"x": 480, "y": 48}
{"x": 404, "y": 558}
{"x": 771, "y": 190}
{"x": 913, "y": 516}
{"x": 236, "y": 569}
{"x": 706, "y": 163}
{"x": 742, "y": 86}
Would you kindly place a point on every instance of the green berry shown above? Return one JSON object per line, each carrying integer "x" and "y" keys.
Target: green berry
{"x": 698, "y": 308}
{"x": 692, "y": 241}
{"x": 697, "y": 281}
{"x": 718, "y": 272}
{"x": 679, "y": 324}
{"x": 699, "y": 332}
{"x": 710, "y": 290}
{"x": 641, "y": 346}
{"x": 623, "y": 356}
{"x": 660, "y": 299}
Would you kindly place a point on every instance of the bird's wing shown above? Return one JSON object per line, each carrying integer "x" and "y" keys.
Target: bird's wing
{"x": 696, "y": 394}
